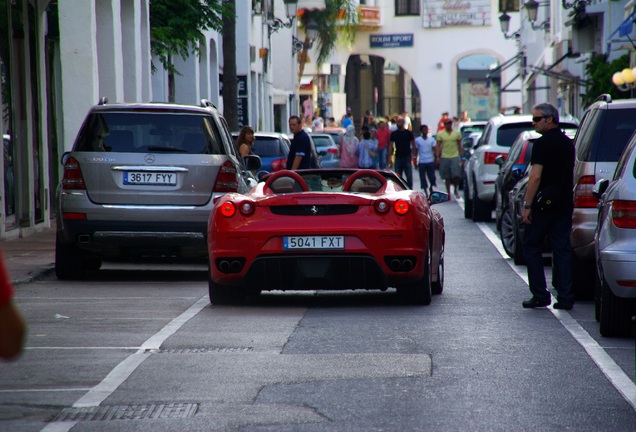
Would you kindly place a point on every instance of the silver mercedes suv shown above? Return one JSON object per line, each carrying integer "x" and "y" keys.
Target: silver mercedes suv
{"x": 141, "y": 180}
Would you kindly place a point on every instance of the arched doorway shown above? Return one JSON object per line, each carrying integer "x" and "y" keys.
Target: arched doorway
{"x": 477, "y": 92}
{"x": 380, "y": 86}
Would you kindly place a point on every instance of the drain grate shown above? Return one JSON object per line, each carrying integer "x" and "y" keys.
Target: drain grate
{"x": 129, "y": 412}
{"x": 200, "y": 350}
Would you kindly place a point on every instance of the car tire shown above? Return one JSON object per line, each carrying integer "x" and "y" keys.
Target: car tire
{"x": 616, "y": 314}
{"x": 70, "y": 261}
{"x": 468, "y": 203}
{"x": 583, "y": 277}
{"x": 482, "y": 211}
{"x": 498, "y": 212}
{"x": 224, "y": 295}
{"x": 507, "y": 233}
{"x": 419, "y": 292}
{"x": 597, "y": 298}
{"x": 518, "y": 257}
{"x": 437, "y": 287}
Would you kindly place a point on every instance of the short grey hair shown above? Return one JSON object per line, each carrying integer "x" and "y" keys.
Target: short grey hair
{"x": 548, "y": 110}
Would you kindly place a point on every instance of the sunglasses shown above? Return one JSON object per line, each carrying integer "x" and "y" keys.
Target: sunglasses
{"x": 538, "y": 119}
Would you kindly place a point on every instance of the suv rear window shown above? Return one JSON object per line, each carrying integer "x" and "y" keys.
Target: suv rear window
{"x": 508, "y": 133}
{"x": 267, "y": 147}
{"x": 615, "y": 127}
{"x": 135, "y": 132}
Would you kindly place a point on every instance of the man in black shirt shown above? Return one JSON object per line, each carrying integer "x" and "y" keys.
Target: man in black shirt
{"x": 404, "y": 142}
{"x": 548, "y": 210}
{"x": 300, "y": 150}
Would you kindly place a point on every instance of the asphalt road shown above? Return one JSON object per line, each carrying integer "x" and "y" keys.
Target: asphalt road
{"x": 139, "y": 348}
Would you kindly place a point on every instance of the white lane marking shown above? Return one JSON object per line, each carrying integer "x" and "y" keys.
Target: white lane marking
{"x": 123, "y": 370}
{"x": 43, "y": 390}
{"x": 625, "y": 386}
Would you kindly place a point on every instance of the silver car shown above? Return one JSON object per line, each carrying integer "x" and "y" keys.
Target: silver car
{"x": 615, "y": 247}
{"x": 599, "y": 142}
{"x": 141, "y": 180}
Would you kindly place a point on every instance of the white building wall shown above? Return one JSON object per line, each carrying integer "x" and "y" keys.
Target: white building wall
{"x": 79, "y": 65}
{"x": 110, "y": 50}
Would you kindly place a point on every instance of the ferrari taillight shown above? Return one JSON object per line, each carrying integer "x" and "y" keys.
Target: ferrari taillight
{"x": 228, "y": 209}
{"x": 382, "y": 206}
{"x": 73, "y": 178}
{"x": 624, "y": 214}
{"x": 278, "y": 164}
{"x": 489, "y": 157}
{"x": 401, "y": 207}
{"x": 246, "y": 208}
{"x": 227, "y": 178}
{"x": 583, "y": 197}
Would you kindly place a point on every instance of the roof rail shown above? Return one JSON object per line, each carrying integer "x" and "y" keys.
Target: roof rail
{"x": 103, "y": 101}
{"x": 207, "y": 103}
{"x": 605, "y": 97}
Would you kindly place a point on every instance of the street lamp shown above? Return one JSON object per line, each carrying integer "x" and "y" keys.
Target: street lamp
{"x": 625, "y": 80}
{"x": 532, "y": 7}
{"x": 504, "y": 22}
{"x": 291, "y": 8}
{"x": 311, "y": 32}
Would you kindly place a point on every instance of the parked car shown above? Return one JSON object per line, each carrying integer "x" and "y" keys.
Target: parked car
{"x": 511, "y": 171}
{"x": 481, "y": 170}
{"x": 615, "y": 247}
{"x": 141, "y": 180}
{"x": 322, "y": 227}
{"x": 327, "y": 150}
{"x": 605, "y": 130}
{"x": 335, "y": 132}
{"x": 471, "y": 127}
{"x": 271, "y": 147}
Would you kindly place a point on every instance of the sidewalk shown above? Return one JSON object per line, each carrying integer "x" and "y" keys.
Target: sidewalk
{"x": 30, "y": 257}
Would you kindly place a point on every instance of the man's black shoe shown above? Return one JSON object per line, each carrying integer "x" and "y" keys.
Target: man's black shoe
{"x": 562, "y": 306}
{"x": 535, "y": 303}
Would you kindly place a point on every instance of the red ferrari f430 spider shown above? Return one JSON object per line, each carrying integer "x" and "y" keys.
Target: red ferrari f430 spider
{"x": 335, "y": 229}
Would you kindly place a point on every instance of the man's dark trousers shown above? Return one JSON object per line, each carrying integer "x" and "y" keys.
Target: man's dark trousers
{"x": 403, "y": 165}
{"x": 557, "y": 226}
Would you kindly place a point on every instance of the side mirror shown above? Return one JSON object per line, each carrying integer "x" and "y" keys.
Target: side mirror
{"x": 252, "y": 162}
{"x": 600, "y": 187}
{"x": 499, "y": 160}
{"x": 516, "y": 173}
{"x": 437, "y": 197}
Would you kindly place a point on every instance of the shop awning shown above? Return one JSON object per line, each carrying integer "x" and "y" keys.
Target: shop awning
{"x": 311, "y": 4}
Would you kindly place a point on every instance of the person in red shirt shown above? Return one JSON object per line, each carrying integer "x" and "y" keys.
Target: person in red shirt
{"x": 441, "y": 123}
{"x": 383, "y": 134}
{"x": 12, "y": 327}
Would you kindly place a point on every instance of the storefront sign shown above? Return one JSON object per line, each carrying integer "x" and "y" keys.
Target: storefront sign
{"x": 391, "y": 40}
{"x": 242, "y": 108}
{"x": 448, "y": 13}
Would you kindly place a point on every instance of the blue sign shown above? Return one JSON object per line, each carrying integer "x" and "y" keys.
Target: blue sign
{"x": 391, "y": 40}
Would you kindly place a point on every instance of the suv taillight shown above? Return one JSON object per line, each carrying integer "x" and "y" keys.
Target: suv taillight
{"x": 583, "y": 197}
{"x": 278, "y": 164}
{"x": 489, "y": 157}
{"x": 624, "y": 213}
{"x": 227, "y": 179}
{"x": 73, "y": 178}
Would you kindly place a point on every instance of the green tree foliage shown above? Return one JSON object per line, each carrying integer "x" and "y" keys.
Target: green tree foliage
{"x": 176, "y": 26}
{"x": 337, "y": 22}
{"x": 600, "y": 73}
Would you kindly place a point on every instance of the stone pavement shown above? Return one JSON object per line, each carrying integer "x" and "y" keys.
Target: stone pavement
{"x": 31, "y": 256}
